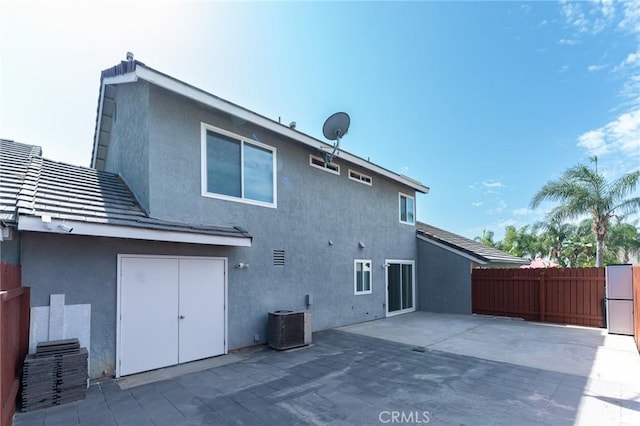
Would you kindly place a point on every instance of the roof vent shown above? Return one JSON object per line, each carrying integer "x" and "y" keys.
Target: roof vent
{"x": 292, "y": 125}
{"x": 129, "y": 56}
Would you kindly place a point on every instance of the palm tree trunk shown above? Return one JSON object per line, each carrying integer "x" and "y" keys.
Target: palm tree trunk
{"x": 600, "y": 251}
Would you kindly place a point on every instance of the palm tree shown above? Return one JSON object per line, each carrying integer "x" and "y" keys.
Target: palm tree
{"x": 486, "y": 238}
{"x": 582, "y": 191}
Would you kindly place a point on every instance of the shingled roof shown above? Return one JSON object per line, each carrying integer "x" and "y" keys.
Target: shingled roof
{"x": 15, "y": 159}
{"x": 46, "y": 194}
{"x": 473, "y": 250}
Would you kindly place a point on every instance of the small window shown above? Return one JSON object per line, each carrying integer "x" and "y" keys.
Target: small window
{"x": 353, "y": 175}
{"x": 407, "y": 209}
{"x": 319, "y": 163}
{"x": 278, "y": 258}
{"x": 362, "y": 276}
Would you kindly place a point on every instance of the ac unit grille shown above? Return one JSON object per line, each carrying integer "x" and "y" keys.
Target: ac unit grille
{"x": 288, "y": 329}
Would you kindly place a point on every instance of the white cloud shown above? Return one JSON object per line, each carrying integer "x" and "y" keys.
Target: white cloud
{"x": 594, "y": 20}
{"x": 593, "y": 68}
{"x": 499, "y": 208}
{"x": 492, "y": 184}
{"x": 621, "y": 135}
{"x": 476, "y": 203}
{"x": 593, "y": 142}
{"x": 568, "y": 42}
{"x": 543, "y": 23}
{"x": 575, "y": 16}
{"x": 631, "y": 59}
{"x": 564, "y": 68}
{"x": 522, "y": 211}
{"x": 630, "y": 17}
{"x": 525, "y": 8}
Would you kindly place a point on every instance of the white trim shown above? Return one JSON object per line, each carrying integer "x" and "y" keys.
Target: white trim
{"x": 118, "y": 79}
{"x": 400, "y": 195}
{"x": 387, "y": 262}
{"x": 324, "y": 166}
{"x": 355, "y": 277}
{"x": 452, "y": 250}
{"x": 360, "y": 176}
{"x": 149, "y": 256}
{"x": 208, "y": 99}
{"x": 35, "y": 223}
{"x": 203, "y": 167}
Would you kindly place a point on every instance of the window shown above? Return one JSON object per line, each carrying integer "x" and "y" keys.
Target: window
{"x": 362, "y": 276}
{"x": 407, "y": 209}
{"x": 237, "y": 169}
{"x": 353, "y": 175}
{"x": 319, "y": 163}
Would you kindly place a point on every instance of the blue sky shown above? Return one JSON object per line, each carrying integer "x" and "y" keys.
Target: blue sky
{"x": 483, "y": 102}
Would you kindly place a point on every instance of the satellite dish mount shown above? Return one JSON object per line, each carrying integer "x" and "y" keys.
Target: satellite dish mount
{"x": 334, "y": 129}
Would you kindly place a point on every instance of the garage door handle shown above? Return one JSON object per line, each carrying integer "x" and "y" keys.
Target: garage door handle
{"x": 181, "y": 317}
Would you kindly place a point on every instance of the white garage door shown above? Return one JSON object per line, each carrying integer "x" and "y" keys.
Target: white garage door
{"x": 171, "y": 310}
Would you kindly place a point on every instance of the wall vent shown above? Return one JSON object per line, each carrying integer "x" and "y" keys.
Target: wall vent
{"x": 289, "y": 329}
{"x": 278, "y": 258}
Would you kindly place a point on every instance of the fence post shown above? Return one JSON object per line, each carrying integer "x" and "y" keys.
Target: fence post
{"x": 542, "y": 297}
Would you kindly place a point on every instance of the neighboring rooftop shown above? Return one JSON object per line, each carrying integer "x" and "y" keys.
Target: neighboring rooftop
{"x": 15, "y": 159}
{"x": 48, "y": 196}
{"x": 471, "y": 249}
{"x": 132, "y": 70}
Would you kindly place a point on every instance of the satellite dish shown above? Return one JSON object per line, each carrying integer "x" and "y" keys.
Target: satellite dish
{"x": 335, "y": 127}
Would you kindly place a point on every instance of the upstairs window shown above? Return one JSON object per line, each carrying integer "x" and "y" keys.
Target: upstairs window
{"x": 362, "y": 276}
{"x": 407, "y": 209}
{"x": 237, "y": 169}
{"x": 362, "y": 178}
{"x": 319, "y": 163}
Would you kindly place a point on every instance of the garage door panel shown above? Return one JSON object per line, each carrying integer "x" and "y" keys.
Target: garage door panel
{"x": 148, "y": 314}
{"x": 201, "y": 306}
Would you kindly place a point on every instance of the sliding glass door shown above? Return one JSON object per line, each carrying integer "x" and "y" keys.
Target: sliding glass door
{"x": 400, "y": 287}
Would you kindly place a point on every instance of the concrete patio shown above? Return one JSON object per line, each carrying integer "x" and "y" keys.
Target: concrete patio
{"x": 420, "y": 371}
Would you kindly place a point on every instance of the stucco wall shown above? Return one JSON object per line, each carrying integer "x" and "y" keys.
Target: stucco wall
{"x": 444, "y": 280}
{"x": 84, "y": 269}
{"x": 128, "y": 147}
{"x": 313, "y": 207}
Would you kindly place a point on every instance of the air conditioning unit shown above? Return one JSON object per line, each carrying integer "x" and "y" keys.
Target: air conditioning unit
{"x": 289, "y": 329}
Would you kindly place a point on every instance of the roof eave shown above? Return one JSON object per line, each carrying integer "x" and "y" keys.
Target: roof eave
{"x": 56, "y": 226}
{"x": 455, "y": 250}
{"x": 159, "y": 79}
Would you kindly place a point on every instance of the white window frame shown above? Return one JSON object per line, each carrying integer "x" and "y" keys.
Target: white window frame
{"x": 359, "y": 177}
{"x": 325, "y": 168}
{"x": 400, "y": 195}
{"x": 355, "y": 277}
{"x": 204, "y": 127}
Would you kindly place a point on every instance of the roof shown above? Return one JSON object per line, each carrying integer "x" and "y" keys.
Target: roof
{"x": 132, "y": 71}
{"x": 63, "y": 198}
{"x": 466, "y": 247}
{"x": 15, "y": 159}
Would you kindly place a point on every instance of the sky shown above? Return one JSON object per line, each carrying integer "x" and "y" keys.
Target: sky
{"x": 483, "y": 102}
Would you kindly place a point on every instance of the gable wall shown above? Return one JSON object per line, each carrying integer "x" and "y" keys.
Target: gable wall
{"x": 128, "y": 154}
{"x": 444, "y": 280}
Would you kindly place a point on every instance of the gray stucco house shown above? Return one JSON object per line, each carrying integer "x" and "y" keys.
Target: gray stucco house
{"x": 185, "y": 185}
{"x": 196, "y": 219}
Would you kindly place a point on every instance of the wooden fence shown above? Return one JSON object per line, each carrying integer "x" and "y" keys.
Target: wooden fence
{"x": 557, "y": 295}
{"x": 636, "y": 305}
{"x": 14, "y": 336}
